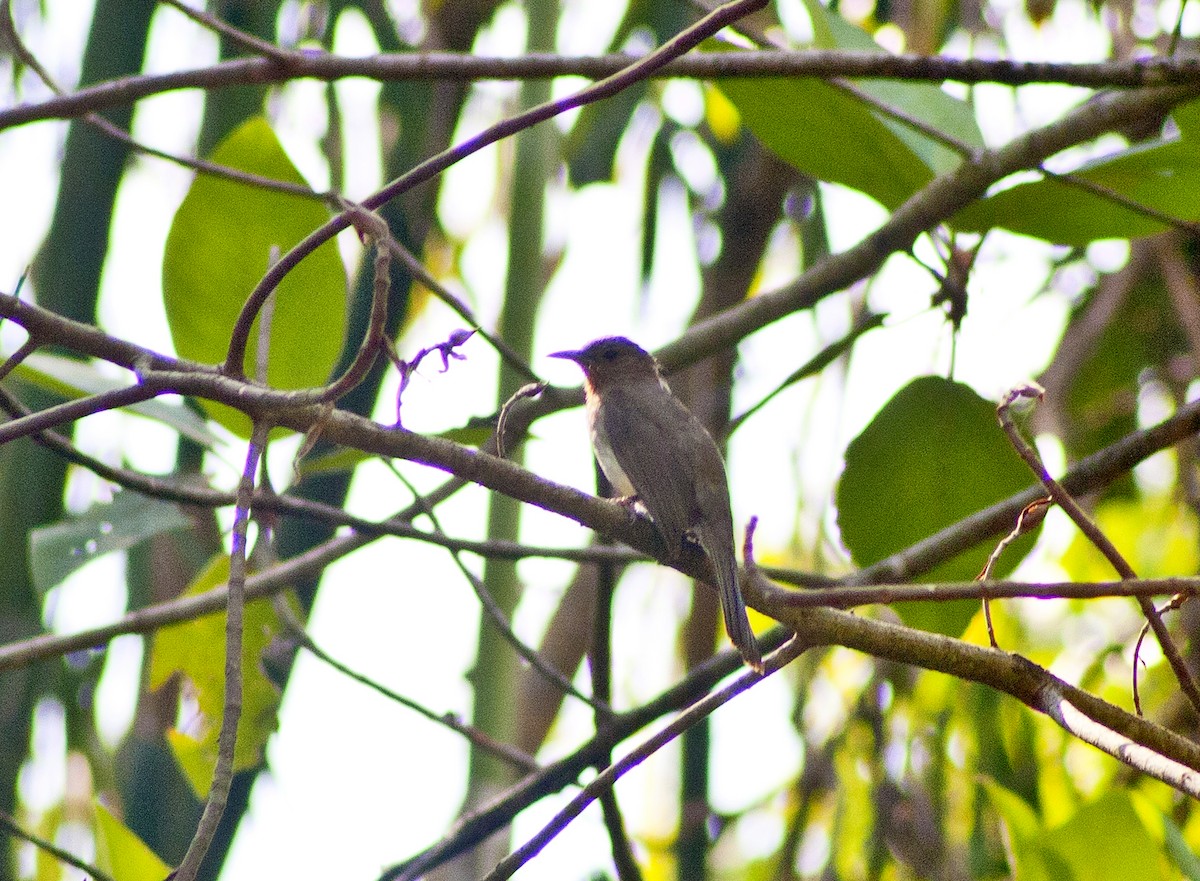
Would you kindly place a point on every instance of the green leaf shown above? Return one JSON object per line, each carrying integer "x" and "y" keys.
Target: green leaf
{"x": 196, "y": 649}
{"x": 122, "y": 854}
{"x": 834, "y": 136}
{"x": 829, "y": 135}
{"x": 1106, "y": 839}
{"x": 340, "y": 460}
{"x": 57, "y": 550}
{"x": 470, "y": 435}
{"x": 218, "y": 248}
{"x": 70, "y": 378}
{"x": 1187, "y": 117}
{"x": 1029, "y": 861}
{"x": 932, "y": 455}
{"x": 820, "y": 18}
{"x": 1185, "y": 858}
{"x": 1143, "y": 336}
{"x": 925, "y": 102}
{"x": 1162, "y": 175}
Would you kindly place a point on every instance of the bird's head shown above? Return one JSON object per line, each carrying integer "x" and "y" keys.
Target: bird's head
{"x": 611, "y": 360}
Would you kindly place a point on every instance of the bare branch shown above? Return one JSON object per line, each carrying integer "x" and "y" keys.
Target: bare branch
{"x": 1175, "y": 774}
{"x": 1095, "y": 535}
{"x": 65, "y": 856}
{"x": 218, "y": 793}
{"x": 1002, "y": 671}
{"x": 700, "y": 710}
{"x": 635, "y": 72}
{"x": 465, "y": 68}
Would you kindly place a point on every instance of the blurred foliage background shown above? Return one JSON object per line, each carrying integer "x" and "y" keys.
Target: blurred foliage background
{"x": 892, "y": 772}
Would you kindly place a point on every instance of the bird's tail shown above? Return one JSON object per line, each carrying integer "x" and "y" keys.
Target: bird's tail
{"x": 737, "y": 623}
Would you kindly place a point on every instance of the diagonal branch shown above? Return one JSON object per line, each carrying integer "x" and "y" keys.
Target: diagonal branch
{"x": 635, "y": 72}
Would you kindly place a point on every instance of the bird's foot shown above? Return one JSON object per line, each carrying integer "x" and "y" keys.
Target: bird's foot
{"x": 627, "y": 502}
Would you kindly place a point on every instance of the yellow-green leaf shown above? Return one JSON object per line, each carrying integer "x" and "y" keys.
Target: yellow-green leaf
{"x": 122, "y": 854}
{"x": 218, "y": 248}
{"x": 196, "y": 650}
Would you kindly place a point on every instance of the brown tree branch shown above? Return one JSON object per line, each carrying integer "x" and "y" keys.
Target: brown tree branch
{"x": 610, "y": 775}
{"x": 1000, "y": 670}
{"x": 1062, "y": 498}
{"x": 463, "y": 68}
{"x": 635, "y": 72}
{"x": 218, "y": 793}
{"x": 936, "y": 203}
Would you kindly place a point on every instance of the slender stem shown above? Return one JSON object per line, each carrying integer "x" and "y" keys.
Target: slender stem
{"x": 218, "y": 794}
{"x": 503, "y": 751}
{"x": 435, "y": 165}
{"x": 698, "y": 711}
{"x": 1062, "y": 498}
{"x": 14, "y": 829}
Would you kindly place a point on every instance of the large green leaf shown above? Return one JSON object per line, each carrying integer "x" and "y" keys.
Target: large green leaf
{"x": 829, "y": 135}
{"x": 1106, "y": 839}
{"x": 196, "y": 649}
{"x": 218, "y": 248}
{"x": 57, "y": 550}
{"x": 932, "y": 455}
{"x": 122, "y": 854}
{"x": 1163, "y": 175}
{"x": 1029, "y": 860}
{"x": 834, "y": 136}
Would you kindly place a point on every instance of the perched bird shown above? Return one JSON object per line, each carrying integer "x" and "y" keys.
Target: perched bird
{"x": 651, "y": 446}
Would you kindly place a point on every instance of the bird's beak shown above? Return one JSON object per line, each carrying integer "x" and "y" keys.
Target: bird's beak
{"x": 567, "y": 355}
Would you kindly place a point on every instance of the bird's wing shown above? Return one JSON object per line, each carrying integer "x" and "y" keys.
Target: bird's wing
{"x": 642, "y": 430}
{"x": 662, "y": 461}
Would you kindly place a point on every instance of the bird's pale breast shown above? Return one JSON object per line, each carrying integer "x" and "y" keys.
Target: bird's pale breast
{"x": 604, "y": 452}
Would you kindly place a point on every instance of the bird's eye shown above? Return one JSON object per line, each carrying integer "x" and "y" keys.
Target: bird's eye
{"x": 611, "y": 353}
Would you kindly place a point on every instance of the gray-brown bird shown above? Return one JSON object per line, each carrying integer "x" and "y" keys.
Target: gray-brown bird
{"x": 652, "y": 447}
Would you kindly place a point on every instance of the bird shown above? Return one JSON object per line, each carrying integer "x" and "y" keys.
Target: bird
{"x": 652, "y": 448}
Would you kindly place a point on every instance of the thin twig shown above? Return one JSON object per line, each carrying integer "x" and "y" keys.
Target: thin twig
{"x": 495, "y": 614}
{"x": 64, "y": 856}
{"x": 1030, "y": 518}
{"x": 234, "y": 35}
{"x": 14, "y": 360}
{"x": 503, "y": 751}
{"x": 604, "y": 781}
{"x": 529, "y": 390}
{"x": 637, "y": 71}
{"x": 8, "y": 31}
{"x": 1079, "y": 182}
{"x": 218, "y": 793}
{"x": 1094, "y": 534}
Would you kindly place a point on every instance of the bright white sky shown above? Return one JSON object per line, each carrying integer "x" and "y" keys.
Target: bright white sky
{"x": 346, "y": 766}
